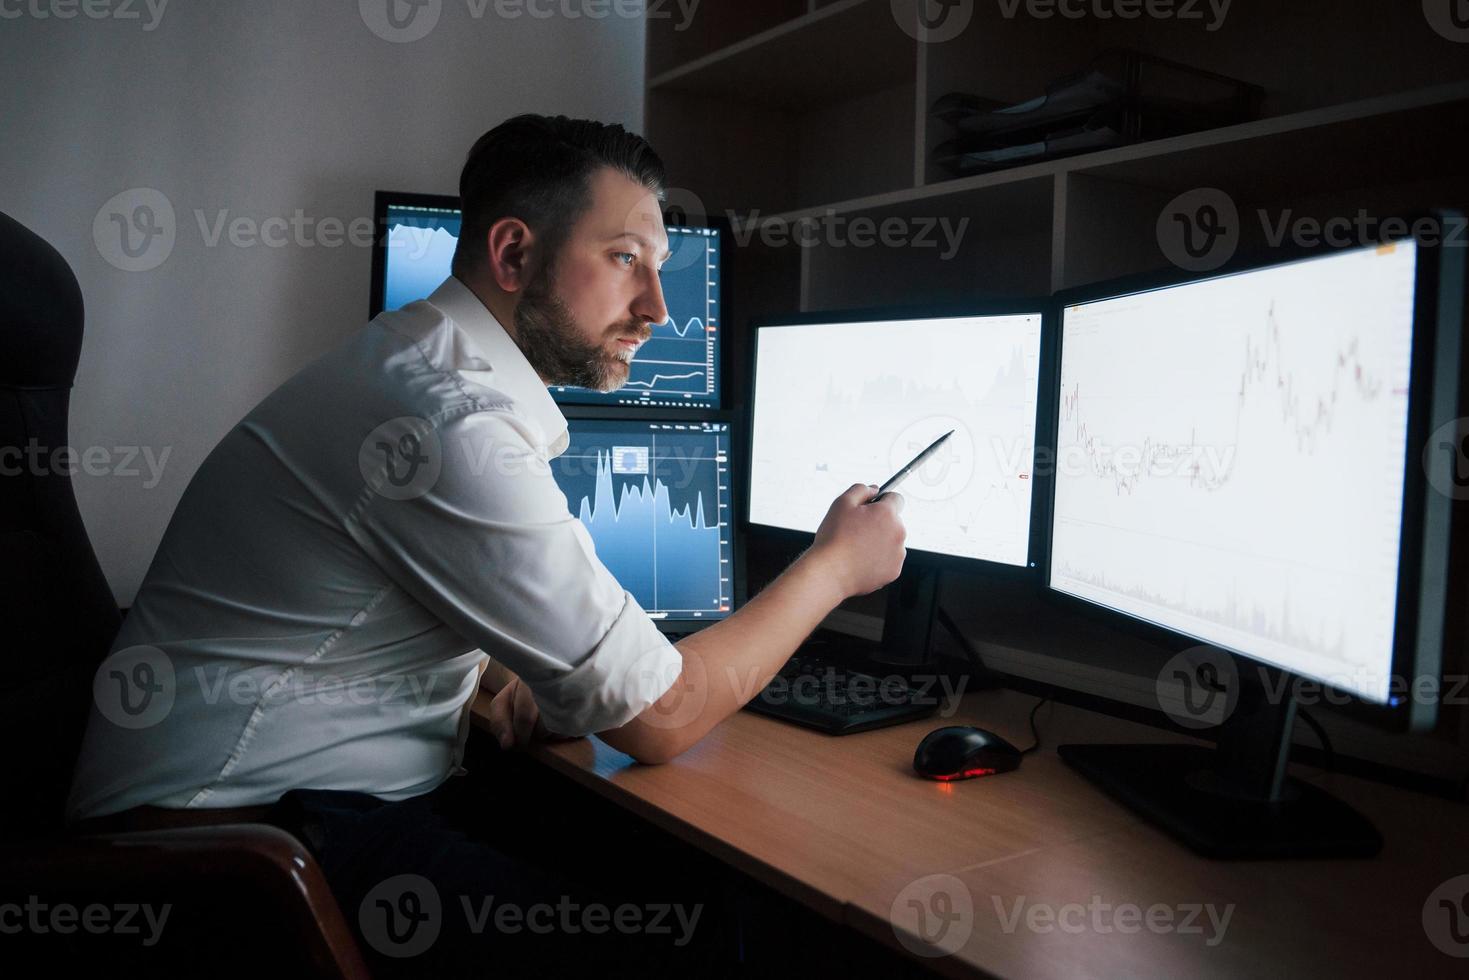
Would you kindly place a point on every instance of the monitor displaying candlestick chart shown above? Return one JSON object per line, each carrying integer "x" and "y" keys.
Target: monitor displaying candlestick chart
{"x": 1230, "y": 460}
{"x": 655, "y": 497}
{"x": 679, "y": 365}
{"x": 846, "y": 401}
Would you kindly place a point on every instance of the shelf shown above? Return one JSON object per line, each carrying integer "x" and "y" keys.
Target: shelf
{"x": 797, "y": 66}
{"x": 1409, "y": 134}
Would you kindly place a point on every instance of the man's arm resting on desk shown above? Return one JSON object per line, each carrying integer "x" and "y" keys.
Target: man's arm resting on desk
{"x": 858, "y": 549}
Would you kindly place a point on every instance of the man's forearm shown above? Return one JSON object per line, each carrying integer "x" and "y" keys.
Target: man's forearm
{"x": 728, "y": 663}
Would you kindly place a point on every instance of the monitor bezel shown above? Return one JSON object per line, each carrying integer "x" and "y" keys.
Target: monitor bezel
{"x": 381, "y": 201}
{"x": 1422, "y": 505}
{"x": 1016, "y": 306}
{"x": 690, "y": 624}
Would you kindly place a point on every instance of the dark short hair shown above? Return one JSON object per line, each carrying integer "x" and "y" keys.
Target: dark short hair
{"x": 539, "y": 169}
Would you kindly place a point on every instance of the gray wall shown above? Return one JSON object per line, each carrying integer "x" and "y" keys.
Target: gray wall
{"x": 248, "y": 109}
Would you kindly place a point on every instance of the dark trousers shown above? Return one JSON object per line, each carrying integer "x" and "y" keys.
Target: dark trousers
{"x": 490, "y": 877}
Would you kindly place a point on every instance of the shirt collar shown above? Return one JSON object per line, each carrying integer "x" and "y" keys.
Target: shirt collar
{"x": 512, "y": 373}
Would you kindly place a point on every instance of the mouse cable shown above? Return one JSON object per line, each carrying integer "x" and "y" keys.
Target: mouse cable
{"x": 1034, "y": 731}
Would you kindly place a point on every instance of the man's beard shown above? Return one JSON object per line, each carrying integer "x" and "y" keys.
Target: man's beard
{"x": 548, "y": 337}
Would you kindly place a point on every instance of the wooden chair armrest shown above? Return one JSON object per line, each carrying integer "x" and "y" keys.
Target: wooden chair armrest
{"x": 194, "y": 862}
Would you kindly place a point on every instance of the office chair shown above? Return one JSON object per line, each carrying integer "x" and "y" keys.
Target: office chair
{"x": 57, "y": 621}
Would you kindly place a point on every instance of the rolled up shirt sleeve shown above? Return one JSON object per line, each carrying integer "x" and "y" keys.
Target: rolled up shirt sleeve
{"x": 483, "y": 538}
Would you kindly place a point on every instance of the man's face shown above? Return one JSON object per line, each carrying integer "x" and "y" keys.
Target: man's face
{"x": 583, "y": 316}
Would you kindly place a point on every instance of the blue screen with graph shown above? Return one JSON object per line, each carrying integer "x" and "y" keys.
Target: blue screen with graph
{"x": 679, "y": 364}
{"x": 655, "y": 497}
{"x": 677, "y": 367}
{"x": 420, "y": 249}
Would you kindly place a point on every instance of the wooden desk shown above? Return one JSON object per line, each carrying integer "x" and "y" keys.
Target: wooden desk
{"x": 844, "y": 826}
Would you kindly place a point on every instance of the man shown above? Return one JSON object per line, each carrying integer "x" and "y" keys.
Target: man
{"x": 346, "y": 563}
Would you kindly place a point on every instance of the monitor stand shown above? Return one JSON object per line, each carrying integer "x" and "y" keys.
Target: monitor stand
{"x": 907, "y": 625}
{"x": 1234, "y": 800}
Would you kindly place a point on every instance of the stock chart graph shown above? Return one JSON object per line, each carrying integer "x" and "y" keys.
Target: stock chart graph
{"x": 420, "y": 251}
{"x": 655, "y": 497}
{"x": 1231, "y": 453}
{"x": 844, "y": 403}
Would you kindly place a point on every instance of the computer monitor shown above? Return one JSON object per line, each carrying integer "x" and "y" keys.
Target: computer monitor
{"x": 656, "y": 497}
{"x": 843, "y": 398}
{"x": 850, "y": 397}
{"x": 679, "y": 367}
{"x": 1240, "y": 463}
{"x": 414, "y": 247}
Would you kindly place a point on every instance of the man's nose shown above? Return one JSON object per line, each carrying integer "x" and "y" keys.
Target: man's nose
{"x": 650, "y": 305}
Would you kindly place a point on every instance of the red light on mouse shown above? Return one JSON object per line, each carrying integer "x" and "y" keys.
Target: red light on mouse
{"x": 965, "y": 774}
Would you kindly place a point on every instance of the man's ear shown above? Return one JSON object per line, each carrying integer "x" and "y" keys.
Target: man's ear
{"x": 510, "y": 247}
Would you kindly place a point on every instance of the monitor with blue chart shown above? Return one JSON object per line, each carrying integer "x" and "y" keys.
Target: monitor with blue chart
{"x": 678, "y": 367}
{"x": 656, "y": 499}
{"x": 1241, "y": 463}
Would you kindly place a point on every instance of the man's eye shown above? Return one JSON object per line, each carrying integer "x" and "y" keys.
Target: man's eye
{"x": 631, "y": 258}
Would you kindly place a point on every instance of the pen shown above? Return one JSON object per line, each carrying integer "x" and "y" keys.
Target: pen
{"x": 913, "y": 464}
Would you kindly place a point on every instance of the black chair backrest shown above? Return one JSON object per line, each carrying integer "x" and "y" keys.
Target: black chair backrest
{"x": 57, "y": 615}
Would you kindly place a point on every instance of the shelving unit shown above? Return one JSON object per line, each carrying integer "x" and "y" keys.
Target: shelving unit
{"x": 777, "y": 112}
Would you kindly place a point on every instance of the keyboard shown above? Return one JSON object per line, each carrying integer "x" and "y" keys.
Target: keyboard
{"x": 824, "y": 694}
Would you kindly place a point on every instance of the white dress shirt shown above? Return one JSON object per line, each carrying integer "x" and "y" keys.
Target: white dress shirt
{"x": 341, "y": 569}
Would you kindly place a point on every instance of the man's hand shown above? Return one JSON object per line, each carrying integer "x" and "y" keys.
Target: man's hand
{"x": 515, "y": 721}
{"x": 863, "y": 542}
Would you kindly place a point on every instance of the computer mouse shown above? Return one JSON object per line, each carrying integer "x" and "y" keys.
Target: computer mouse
{"x": 962, "y": 752}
